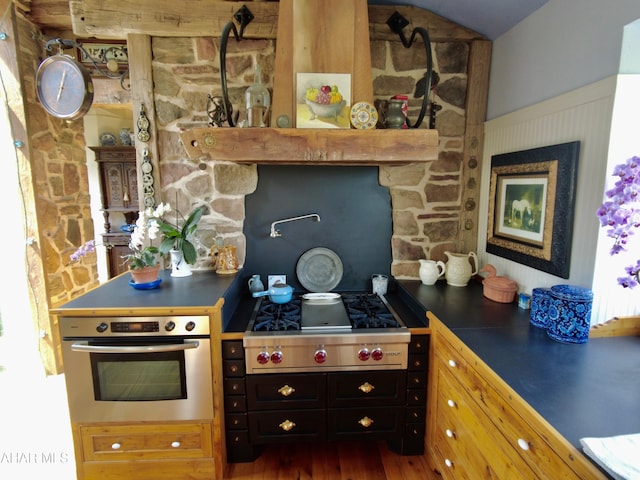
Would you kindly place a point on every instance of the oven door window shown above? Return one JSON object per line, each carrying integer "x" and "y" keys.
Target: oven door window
{"x": 136, "y": 377}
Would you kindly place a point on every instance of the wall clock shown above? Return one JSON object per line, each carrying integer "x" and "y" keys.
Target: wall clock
{"x": 64, "y": 87}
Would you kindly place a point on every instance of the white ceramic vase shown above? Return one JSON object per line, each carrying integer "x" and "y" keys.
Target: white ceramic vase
{"x": 179, "y": 267}
{"x": 430, "y": 271}
{"x": 459, "y": 270}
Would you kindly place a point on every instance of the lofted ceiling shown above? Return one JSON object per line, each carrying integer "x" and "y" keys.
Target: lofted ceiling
{"x": 490, "y": 18}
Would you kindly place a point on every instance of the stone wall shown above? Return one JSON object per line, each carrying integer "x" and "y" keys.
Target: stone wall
{"x": 426, "y": 197}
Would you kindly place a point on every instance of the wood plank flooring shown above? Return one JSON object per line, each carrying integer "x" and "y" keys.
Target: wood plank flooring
{"x": 332, "y": 461}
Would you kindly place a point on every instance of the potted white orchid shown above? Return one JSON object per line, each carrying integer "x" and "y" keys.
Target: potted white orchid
{"x": 143, "y": 259}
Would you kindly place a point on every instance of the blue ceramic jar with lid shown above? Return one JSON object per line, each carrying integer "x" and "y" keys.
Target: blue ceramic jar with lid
{"x": 569, "y": 314}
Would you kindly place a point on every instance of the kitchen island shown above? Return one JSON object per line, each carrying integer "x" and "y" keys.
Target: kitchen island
{"x": 585, "y": 390}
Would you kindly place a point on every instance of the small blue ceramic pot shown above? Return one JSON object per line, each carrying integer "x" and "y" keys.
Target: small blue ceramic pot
{"x": 570, "y": 314}
{"x": 278, "y": 293}
{"x": 539, "y": 315}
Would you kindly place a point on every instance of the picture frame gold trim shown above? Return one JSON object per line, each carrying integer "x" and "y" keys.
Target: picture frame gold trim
{"x": 531, "y": 206}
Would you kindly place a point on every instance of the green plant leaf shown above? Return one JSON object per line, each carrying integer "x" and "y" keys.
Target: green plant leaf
{"x": 189, "y": 252}
{"x": 167, "y": 244}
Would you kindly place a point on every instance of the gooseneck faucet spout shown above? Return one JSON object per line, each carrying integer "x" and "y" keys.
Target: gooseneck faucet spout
{"x": 276, "y": 233}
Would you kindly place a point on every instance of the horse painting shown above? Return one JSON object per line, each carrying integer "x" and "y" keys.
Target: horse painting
{"x": 521, "y": 212}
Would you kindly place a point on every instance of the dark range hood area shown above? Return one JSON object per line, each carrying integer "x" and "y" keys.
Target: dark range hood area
{"x": 355, "y": 213}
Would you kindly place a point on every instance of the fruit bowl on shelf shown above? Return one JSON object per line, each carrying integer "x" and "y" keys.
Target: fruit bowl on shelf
{"x": 329, "y": 110}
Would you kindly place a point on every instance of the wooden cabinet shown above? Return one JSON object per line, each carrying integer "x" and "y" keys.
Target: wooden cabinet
{"x": 119, "y": 195}
{"x": 480, "y": 428}
{"x": 145, "y": 451}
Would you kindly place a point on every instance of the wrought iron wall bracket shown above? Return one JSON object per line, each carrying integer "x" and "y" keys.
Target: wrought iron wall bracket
{"x": 396, "y": 23}
{"x": 243, "y": 16}
{"x": 63, "y": 43}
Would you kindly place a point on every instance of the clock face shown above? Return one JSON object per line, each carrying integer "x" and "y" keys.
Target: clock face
{"x": 64, "y": 87}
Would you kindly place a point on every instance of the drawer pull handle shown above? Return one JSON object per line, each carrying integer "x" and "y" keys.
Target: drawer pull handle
{"x": 115, "y": 446}
{"x": 448, "y": 462}
{"x": 452, "y": 363}
{"x": 287, "y": 425}
{"x": 523, "y": 444}
{"x": 449, "y": 433}
{"x": 451, "y": 403}
{"x": 366, "y": 387}
{"x": 175, "y": 444}
{"x": 366, "y": 422}
{"x": 286, "y": 390}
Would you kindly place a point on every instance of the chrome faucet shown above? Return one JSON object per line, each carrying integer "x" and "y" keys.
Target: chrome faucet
{"x": 276, "y": 233}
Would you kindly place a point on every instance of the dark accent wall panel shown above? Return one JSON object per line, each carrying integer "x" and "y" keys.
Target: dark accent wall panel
{"x": 355, "y": 214}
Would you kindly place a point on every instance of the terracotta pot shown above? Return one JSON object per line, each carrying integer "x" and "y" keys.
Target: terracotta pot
{"x": 145, "y": 275}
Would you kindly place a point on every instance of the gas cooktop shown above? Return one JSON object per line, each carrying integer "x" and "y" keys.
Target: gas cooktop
{"x": 353, "y": 311}
{"x": 356, "y": 331}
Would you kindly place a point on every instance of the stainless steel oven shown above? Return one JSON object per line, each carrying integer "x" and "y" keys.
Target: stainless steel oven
{"x": 137, "y": 368}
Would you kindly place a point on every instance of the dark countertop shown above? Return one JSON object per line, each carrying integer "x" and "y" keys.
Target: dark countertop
{"x": 585, "y": 390}
{"x": 202, "y": 289}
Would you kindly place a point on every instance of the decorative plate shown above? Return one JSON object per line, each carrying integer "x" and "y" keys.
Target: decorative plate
{"x": 108, "y": 139}
{"x": 364, "y": 116}
{"x": 319, "y": 269}
{"x": 146, "y": 286}
{"x": 321, "y": 298}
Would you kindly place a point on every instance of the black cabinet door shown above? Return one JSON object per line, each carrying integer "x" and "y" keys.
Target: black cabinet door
{"x": 285, "y": 426}
{"x": 282, "y": 392}
{"x": 370, "y": 388}
{"x": 365, "y": 423}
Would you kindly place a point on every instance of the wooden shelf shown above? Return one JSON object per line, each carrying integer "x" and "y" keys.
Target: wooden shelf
{"x": 302, "y": 146}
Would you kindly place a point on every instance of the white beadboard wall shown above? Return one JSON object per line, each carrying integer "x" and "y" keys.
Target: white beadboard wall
{"x": 585, "y": 115}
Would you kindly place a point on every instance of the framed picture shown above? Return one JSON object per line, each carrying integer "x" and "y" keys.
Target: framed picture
{"x": 109, "y": 55}
{"x": 323, "y": 100}
{"x": 531, "y": 206}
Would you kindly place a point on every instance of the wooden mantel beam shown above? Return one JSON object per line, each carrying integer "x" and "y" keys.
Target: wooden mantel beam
{"x": 195, "y": 18}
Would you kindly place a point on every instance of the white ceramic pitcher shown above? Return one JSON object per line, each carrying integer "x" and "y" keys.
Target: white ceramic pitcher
{"x": 430, "y": 271}
{"x": 459, "y": 270}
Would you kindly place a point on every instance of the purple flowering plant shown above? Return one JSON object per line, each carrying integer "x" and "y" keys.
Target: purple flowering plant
{"x": 620, "y": 214}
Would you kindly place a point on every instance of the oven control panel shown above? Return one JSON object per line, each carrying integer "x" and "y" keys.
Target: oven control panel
{"x": 275, "y": 358}
{"x": 92, "y": 327}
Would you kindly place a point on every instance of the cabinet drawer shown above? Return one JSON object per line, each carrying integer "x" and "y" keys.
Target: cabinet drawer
{"x": 416, "y": 397}
{"x": 372, "y": 423}
{"x": 287, "y": 426}
{"x": 473, "y": 439}
{"x": 233, "y": 368}
{"x": 416, "y": 414}
{"x": 369, "y": 388}
{"x": 516, "y": 432}
{"x": 232, "y": 350}
{"x": 278, "y": 392}
{"x": 140, "y": 442}
{"x": 236, "y": 421}
{"x": 234, "y": 386}
{"x": 417, "y": 380}
{"x": 235, "y": 403}
{"x": 419, "y": 344}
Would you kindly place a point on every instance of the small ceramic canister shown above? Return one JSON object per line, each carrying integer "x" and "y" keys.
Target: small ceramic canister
{"x": 539, "y": 316}
{"x": 569, "y": 314}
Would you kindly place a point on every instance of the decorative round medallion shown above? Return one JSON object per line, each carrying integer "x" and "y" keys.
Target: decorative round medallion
{"x": 364, "y": 116}
{"x": 64, "y": 87}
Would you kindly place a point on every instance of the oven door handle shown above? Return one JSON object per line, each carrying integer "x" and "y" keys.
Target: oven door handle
{"x": 174, "y": 347}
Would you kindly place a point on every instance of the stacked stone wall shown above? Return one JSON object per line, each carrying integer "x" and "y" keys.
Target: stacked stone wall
{"x": 426, "y": 197}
